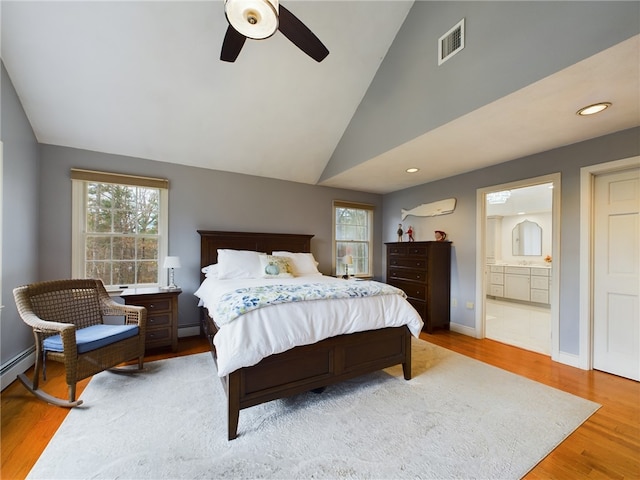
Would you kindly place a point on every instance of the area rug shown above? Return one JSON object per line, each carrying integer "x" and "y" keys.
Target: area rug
{"x": 457, "y": 418}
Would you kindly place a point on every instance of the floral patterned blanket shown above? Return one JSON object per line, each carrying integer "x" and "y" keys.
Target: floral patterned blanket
{"x": 243, "y": 300}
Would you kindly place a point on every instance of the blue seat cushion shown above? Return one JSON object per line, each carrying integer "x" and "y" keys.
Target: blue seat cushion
{"x": 93, "y": 337}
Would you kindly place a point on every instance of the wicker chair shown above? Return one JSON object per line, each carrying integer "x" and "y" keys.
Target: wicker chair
{"x": 68, "y": 326}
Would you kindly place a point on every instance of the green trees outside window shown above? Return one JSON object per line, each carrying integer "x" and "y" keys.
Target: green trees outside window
{"x": 122, "y": 233}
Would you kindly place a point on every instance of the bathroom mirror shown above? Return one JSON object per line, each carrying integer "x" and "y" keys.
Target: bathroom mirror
{"x": 526, "y": 239}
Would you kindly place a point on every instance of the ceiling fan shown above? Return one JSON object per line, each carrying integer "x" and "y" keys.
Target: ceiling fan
{"x": 259, "y": 19}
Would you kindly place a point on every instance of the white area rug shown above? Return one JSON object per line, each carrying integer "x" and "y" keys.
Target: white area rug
{"x": 457, "y": 418}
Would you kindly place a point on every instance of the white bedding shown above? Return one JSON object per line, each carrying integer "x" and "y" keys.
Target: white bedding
{"x": 277, "y": 328}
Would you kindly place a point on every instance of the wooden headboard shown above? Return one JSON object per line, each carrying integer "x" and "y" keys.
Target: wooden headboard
{"x": 211, "y": 241}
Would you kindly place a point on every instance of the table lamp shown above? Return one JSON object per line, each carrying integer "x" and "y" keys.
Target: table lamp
{"x": 347, "y": 260}
{"x": 172, "y": 263}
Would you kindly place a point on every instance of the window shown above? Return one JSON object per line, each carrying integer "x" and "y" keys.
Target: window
{"x": 353, "y": 237}
{"x": 119, "y": 228}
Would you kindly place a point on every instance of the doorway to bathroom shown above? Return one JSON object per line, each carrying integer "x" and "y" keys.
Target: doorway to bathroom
{"x": 518, "y": 241}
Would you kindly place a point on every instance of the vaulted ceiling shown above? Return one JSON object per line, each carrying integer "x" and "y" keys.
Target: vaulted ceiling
{"x": 144, "y": 79}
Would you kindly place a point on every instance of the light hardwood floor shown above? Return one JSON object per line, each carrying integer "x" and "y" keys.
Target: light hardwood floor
{"x": 607, "y": 445}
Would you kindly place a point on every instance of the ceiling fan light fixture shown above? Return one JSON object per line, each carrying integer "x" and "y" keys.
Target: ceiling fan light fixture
{"x": 255, "y": 19}
{"x": 593, "y": 109}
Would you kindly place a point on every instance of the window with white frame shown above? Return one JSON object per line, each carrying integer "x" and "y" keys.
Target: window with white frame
{"x": 119, "y": 228}
{"x": 353, "y": 238}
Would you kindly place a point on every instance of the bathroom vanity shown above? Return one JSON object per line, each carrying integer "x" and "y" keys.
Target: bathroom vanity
{"x": 519, "y": 282}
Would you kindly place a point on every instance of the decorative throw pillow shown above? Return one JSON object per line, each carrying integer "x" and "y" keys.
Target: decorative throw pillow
{"x": 275, "y": 267}
{"x": 303, "y": 264}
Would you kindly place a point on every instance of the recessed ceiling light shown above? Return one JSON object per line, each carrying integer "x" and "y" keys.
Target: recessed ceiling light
{"x": 521, "y": 213}
{"x": 412, "y": 170}
{"x": 595, "y": 108}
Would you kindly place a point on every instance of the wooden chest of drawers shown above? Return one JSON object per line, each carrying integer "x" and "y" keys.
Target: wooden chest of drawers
{"x": 423, "y": 271}
{"x": 162, "y": 314}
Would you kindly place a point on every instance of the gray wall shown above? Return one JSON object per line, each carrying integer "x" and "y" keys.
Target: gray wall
{"x": 20, "y": 192}
{"x": 461, "y": 225}
{"x": 508, "y": 46}
{"x": 198, "y": 199}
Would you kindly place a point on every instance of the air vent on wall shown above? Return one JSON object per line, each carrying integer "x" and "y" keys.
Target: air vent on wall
{"x": 451, "y": 42}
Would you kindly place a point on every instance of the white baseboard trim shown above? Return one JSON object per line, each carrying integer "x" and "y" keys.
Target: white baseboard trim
{"x": 463, "y": 329}
{"x": 17, "y": 365}
{"x": 571, "y": 360}
{"x": 564, "y": 358}
{"x": 190, "y": 331}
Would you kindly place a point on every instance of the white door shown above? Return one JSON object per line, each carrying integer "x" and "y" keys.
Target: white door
{"x": 616, "y": 294}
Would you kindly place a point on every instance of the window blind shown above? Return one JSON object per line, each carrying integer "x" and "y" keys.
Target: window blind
{"x": 361, "y": 206}
{"x": 119, "y": 178}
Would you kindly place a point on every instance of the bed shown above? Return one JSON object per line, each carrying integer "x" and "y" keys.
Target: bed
{"x": 309, "y": 367}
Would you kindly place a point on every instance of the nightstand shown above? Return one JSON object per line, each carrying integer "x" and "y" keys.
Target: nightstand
{"x": 162, "y": 314}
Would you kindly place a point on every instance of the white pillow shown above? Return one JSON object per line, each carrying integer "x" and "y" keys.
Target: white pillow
{"x": 273, "y": 266}
{"x": 303, "y": 264}
{"x": 211, "y": 270}
{"x": 238, "y": 264}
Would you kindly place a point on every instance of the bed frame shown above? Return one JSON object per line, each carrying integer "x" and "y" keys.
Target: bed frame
{"x": 304, "y": 368}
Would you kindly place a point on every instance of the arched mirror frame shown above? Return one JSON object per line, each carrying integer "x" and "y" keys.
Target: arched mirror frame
{"x": 526, "y": 239}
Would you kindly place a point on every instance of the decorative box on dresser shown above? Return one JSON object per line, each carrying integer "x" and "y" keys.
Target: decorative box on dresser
{"x": 162, "y": 314}
{"x": 423, "y": 271}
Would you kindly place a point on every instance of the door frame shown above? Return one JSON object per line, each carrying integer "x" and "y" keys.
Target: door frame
{"x": 481, "y": 287}
{"x": 587, "y": 226}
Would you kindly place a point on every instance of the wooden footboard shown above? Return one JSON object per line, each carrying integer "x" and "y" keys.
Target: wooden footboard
{"x": 312, "y": 366}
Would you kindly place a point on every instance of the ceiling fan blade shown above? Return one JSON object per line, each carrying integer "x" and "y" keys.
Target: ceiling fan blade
{"x": 300, "y": 35}
{"x": 233, "y": 42}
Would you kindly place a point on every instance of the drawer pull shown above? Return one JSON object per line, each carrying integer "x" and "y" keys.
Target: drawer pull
{"x": 151, "y": 305}
{"x": 418, "y": 276}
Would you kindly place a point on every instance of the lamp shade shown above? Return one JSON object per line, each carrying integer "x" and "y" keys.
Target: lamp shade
{"x": 348, "y": 260}
{"x": 172, "y": 262}
{"x": 256, "y": 19}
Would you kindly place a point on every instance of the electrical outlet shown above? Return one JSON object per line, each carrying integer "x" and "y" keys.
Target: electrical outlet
{"x": 454, "y": 302}
{"x": 470, "y": 305}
